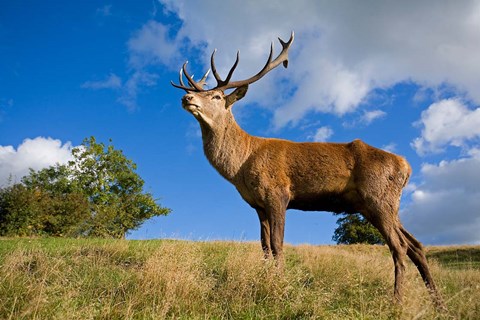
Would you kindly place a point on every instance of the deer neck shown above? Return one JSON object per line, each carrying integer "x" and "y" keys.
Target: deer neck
{"x": 227, "y": 146}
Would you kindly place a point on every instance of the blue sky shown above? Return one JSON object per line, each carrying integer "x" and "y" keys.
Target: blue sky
{"x": 400, "y": 76}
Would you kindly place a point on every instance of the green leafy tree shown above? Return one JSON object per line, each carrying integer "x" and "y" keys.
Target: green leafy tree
{"x": 97, "y": 194}
{"x": 114, "y": 190}
{"x": 353, "y": 228}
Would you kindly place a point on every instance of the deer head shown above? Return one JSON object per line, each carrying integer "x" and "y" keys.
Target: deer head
{"x": 209, "y": 106}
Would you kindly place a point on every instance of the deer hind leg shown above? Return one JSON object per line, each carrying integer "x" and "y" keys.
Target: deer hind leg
{"x": 264, "y": 233}
{"x": 416, "y": 253}
{"x": 389, "y": 227}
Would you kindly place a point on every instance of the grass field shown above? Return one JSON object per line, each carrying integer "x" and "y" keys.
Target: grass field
{"x": 162, "y": 279}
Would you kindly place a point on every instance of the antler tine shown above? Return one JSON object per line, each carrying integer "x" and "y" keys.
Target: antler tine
{"x": 180, "y": 78}
{"x": 214, "y": 69}
{"x": 192, "y": 83}
{"x": 220, "y": 82}
{"x": 187, "y": 89}
{"x": 230, "y": 73}
{"x": 269, "y": 60}
{"x": 286, "y": 45}
{"x": 203, "y": 81}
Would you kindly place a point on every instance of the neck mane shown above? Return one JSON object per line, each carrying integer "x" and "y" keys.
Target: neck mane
{"x": 227, "y": 146}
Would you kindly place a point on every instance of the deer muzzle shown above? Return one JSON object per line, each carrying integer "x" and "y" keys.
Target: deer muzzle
{"x": 188, "y": 104}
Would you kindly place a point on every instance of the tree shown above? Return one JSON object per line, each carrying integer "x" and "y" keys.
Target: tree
{"x": 114, "y": 189}
{"x": 353, "y": 228}
{"x": 97, "y": 194}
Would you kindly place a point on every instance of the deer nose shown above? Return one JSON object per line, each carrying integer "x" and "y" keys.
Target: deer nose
{"x": 187, "y": 98}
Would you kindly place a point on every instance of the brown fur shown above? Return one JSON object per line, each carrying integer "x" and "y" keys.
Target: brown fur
{"x": 274, "y": 175}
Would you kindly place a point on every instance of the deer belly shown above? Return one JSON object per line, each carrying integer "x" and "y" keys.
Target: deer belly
{"x": 332, "y": 202}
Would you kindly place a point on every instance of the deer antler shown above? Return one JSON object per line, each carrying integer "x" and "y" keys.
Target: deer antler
{"x": 226, "y": 84}
{"x": 281, "y": 58}
{"x": 193, "y": 86}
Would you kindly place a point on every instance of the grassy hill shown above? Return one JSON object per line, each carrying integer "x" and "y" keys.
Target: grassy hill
{"x": 120, "y": 279}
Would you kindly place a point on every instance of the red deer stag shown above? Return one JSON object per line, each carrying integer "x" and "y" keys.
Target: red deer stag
{"x": 274, "y": 175}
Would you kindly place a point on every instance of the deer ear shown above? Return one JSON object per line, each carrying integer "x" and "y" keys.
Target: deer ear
{"x": 236, "y": 95}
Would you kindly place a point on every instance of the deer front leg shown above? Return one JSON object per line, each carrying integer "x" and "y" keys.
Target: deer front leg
{"x": 275, "y": 210}
{"x": 277, "y": 227}
{"x": 264, "y": 233}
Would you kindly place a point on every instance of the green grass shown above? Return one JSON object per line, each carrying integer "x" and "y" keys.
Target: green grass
{"x": 162, "y": 279}
{"x": 462, "y": 257}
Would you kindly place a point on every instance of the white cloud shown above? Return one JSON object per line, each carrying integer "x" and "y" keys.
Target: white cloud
{"x": 447, "y": 123}
{"x": 370, "y": 116}
{"x": 130, "y": 90}
{"x": 343, "y": 50}
{"x": 149, "y": 46}
{"x": 391, "y": 147}
{"x": 474, "y": 152}
{"x": 152, "y": 45}
{"x": 322, "y": 134}
{"x": 445, "y": 209}
{"x": 111, "y": 82}
{"x": 366, "y": 118}
{"x": 336, "y": 90}
{"x": 34, "y": 153}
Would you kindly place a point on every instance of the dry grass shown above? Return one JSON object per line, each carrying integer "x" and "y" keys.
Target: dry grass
{"x": 99, "y": 279}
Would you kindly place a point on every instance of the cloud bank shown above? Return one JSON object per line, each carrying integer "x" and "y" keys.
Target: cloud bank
{"x": 322, "y": 134}
{"x": 111, "y": 82}
{"x": 445, "y": 208}
{"x": 343, "y": 50}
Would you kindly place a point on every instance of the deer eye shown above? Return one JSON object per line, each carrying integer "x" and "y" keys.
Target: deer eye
{"x": 217, "y": 97}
